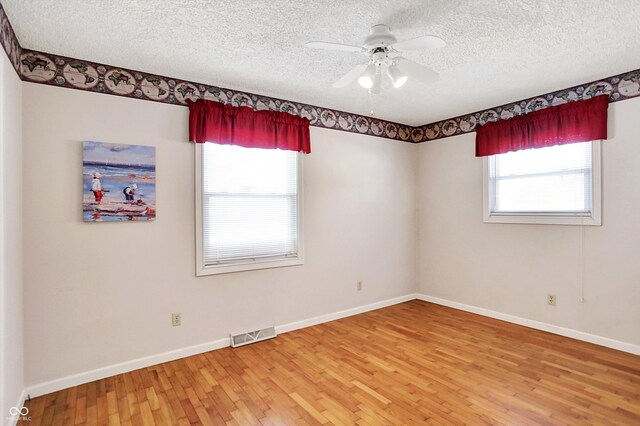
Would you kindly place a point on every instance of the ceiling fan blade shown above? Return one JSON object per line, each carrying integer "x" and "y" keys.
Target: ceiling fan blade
{"x": 424, "y": 42}
{"x": 350, "y": 76}
{"x": 417, "y": 71}
{"x": 332, "y": 46}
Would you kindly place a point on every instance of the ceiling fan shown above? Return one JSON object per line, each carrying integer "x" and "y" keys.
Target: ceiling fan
{"x": 384, "y": 52}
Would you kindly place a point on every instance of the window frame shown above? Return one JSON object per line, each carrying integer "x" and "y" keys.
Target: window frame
{"x": 202, "y": 269}
{"x": 593, "y": 218}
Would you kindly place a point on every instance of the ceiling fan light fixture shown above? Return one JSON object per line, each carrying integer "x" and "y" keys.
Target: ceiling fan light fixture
{"x": 398, "y": 78}
{"x": 400, "y": 82}
{"x": 366, "y": 80}
{"x": 384, "y": 54}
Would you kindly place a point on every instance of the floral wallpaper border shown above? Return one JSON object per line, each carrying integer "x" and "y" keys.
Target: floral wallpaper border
{"x": 619, "y": 87}
{"x": 73, "y": 73}
{"x": 9, "y": 41}
{"x": 56, "y": 70}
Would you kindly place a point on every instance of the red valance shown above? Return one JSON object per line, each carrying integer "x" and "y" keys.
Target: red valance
{"x": 228, "y": 125}
{"x": 579, "y": 121}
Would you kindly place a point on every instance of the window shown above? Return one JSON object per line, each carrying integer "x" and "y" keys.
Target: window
{"x": 554, "y": 185}
{"x": 248, "y": 208}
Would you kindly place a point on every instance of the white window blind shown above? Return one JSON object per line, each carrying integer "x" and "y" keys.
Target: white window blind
{"x": 552, "y": 180}
{"x": 249, "y": 204}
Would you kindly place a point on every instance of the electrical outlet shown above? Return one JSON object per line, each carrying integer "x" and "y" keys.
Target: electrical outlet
{"x": 359, "y": 286}
{"x": 176, "y": 320}
{"x": 551, "y": 299}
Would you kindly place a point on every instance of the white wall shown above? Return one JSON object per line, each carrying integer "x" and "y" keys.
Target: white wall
{"x": 98, "y": 294}
{"x": 511, "y": 268}
{"x": 102, "y": 293}
{"x": 11, "y": 318}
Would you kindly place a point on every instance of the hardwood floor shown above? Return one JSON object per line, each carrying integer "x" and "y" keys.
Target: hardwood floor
{"x": 413, "y": 363}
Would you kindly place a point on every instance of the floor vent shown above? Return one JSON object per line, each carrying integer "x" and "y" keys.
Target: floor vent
{"x": 252, "y": 337}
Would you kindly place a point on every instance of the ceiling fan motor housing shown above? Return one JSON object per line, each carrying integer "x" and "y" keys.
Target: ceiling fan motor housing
{"x": 379, "y": 37}
{"x": 379, "y": 56}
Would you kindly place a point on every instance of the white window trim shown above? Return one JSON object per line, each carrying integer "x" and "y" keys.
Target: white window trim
{"x": 252, "y": 264}
{"x": 593, "y": 218}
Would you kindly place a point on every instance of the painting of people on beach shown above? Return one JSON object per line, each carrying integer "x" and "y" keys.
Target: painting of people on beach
{"x": 119, "y": 182}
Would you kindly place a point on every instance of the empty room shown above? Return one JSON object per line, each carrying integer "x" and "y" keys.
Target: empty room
{"x": 319, "y": 213}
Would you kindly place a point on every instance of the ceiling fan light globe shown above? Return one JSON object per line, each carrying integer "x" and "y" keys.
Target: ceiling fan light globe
{"x": 398, "y": 78}
{"x": 365, "y": 81}
{"x": 400, "y": 82}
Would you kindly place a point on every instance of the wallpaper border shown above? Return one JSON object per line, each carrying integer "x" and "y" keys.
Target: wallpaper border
{"x": 9, "y": 41}
{"x": 619, "y": 87}
{"x": 62, "y": 71}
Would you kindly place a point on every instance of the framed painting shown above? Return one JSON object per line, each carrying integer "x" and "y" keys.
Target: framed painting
{"x": 119, "y": 182}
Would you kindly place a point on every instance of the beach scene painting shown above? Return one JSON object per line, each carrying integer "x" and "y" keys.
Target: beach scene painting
{"x": 119, "y": 182}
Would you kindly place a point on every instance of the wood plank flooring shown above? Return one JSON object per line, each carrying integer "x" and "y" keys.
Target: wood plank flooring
{"x": 413, "y": 363}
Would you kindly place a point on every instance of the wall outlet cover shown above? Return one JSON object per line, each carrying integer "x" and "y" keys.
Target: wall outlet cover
{"x": 176, "y": 320}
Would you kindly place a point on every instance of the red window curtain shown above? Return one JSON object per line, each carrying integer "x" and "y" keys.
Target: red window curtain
{"x": 224, "y": 124}
{"x": 579, "y": 121}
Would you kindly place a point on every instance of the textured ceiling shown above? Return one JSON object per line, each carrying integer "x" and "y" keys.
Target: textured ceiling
{"x": 498, "y": 51}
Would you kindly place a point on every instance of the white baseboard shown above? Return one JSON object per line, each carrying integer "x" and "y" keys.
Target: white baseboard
{"x": 538, "y": 325}
{"x": 343, "y": 314}
{"x": 124, "y": 367}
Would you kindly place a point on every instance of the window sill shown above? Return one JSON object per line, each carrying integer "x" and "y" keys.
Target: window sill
{"x": 204, "y": 270}
{"x": 542, "y": 219}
